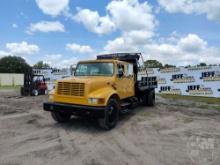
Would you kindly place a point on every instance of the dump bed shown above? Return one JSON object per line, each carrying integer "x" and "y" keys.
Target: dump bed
{"x": 147, "y": 83}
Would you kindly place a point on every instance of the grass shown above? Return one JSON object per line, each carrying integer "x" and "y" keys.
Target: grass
{"x": 16, "y": 88}
{"x": 208, "y": 100}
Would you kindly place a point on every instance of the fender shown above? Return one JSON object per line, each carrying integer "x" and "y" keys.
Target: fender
{"x": 105, "y": 93}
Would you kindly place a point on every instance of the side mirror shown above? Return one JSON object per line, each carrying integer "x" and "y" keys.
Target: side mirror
{"x": 75, "y": 72}
{"x": 120, "y": 74}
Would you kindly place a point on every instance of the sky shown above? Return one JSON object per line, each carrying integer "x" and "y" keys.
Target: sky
{"x": 63, "y": 32}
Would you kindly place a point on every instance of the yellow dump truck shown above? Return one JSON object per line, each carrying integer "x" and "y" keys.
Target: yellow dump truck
{"x": 103, "y": 89}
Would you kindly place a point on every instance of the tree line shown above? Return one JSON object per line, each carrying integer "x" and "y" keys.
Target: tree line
{"x": 14, "y": 64}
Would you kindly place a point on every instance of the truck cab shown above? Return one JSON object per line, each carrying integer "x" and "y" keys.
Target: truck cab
{"x": 101, "y": 88}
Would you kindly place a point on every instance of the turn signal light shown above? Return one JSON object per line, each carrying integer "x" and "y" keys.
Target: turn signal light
{"x": 101, "y": 101}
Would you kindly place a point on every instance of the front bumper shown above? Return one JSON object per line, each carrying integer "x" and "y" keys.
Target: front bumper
{"x": 79, "y": 110}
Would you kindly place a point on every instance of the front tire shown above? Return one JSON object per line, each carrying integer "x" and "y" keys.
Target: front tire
{"x": 111, "y": 115}
{"x": 60, "y": 117}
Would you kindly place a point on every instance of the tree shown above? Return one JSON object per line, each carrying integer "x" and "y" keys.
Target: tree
{"x": 202, "y": 64}
{"x": 153, "y": 64}
{"x": 169, "y": 66}
{"x": 41, "y": 64}
{"x": 13, "y": 64}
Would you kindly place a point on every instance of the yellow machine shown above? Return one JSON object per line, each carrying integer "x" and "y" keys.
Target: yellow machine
{"x": 103, "y": 89}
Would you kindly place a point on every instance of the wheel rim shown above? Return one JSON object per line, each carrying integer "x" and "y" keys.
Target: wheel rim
{"x": 35, "y": 92}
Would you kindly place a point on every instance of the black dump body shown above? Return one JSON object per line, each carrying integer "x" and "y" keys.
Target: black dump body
{"x": 146, "y": 82}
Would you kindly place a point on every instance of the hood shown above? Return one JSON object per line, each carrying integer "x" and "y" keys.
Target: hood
{"x": 91, "y": 82}
{"x": 87, "y": 79}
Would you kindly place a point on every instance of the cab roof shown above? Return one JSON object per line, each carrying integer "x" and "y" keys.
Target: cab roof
{"x": 101, "y": 60}
{"x": 120, "y": 56}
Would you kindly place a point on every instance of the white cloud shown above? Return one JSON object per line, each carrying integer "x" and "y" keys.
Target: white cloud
{"x": 20, "y": 49}
{"x": 135, "y": 31}
{"x": 129, "y": 16}
{"x": 14, "y": 25}
{"x": 59, "y": 61}
{"x": 46, "y": 26}
{"x": 137, "y": 25}
{"x": 192, "y": 43}
{"x": 128, "y": 41}
{"x": 176, "y": 50}
{"x": 53, "y": 7}
{"x": 94, "y": 22}
{"x": 120, "y": 44}
{"x": 76, "y": 48}
{"x": 209, "y": 7}
{"x": 135, "y": 21}
{"x": 190, "y": 49}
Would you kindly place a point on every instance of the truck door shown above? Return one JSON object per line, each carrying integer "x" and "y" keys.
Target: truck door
{"x": 125, "y": 84}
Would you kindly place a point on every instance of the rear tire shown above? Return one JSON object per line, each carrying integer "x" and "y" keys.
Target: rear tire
{"x": 111, "y": 115}
{"x": 60, "y": 117}
{"x": 149, "y": 98}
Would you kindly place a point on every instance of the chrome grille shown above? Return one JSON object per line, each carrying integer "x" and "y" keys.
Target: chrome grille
{"x": 70, "y": 89}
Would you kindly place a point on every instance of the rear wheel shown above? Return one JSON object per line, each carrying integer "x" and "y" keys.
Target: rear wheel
{"x": 60, "y": 117}
{"x": 110, "y": 119}
{"x": 149, "y": 98}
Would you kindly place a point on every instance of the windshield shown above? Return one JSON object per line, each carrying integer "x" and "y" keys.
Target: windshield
{"x": 95, "y": 69}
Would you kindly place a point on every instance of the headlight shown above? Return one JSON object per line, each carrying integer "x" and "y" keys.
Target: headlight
{"x": 96, "y": 100}
{"x": 93, "y": 100}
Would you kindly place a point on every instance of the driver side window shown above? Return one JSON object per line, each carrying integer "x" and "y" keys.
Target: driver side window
{"x": 129, "y": 70}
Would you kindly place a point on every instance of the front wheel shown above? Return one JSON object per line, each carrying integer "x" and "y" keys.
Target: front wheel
{"x": 60, "y": 117}
{"x": 111, "y": 115}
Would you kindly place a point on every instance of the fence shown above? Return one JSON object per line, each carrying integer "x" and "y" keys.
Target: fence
{"x": 194, "y": 81}
{"x": 11, "y": 79}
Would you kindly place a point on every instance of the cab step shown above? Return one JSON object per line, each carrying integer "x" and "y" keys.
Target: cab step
{"x": 128, "y": 105}
{"x": 125, "y": 104}
{"x": 125, "y": 107}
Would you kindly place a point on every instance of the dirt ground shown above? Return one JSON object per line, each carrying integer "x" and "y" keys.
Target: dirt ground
{"x": 171, "y": 133}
